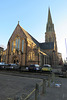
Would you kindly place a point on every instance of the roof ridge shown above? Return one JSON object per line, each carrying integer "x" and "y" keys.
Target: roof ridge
{"x": 28, "y": 35}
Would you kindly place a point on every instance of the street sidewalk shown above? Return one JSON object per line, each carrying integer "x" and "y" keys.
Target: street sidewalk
{"x": 55, "y": 91}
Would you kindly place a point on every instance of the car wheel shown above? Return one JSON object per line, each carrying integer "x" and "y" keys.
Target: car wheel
{"x": 29, "y": 70}
{"x": 51, "y": 72}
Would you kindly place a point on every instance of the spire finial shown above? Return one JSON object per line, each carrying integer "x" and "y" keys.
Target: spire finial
{"x": 18, "y": 22}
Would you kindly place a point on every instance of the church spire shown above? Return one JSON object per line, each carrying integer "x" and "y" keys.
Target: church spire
{"x": 49, "y": 16}
{"x": 50, "y": 25}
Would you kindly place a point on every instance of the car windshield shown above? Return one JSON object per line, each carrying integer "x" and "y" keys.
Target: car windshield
{"x": 2, "y": 63}
{"x": 37, "y": 66}
{"x": 34, "y": 65}
{"x": 12, "y": 65}
{"x": 47, "y": 66}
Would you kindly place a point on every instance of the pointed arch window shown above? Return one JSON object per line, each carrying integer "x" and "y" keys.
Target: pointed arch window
{"x": 18, "y": 44}
{"x": 49, "y": 39}
{"x": 22, "y": 45}
{"x": 31, "y": 56}
{"x": 12, "y": 46}
{"x": 15, "y": 44}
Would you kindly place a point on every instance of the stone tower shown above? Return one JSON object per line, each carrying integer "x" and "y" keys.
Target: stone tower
{"x": 50, "y": 35}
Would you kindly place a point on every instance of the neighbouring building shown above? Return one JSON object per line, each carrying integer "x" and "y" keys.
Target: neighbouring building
{"x": 1, "y": 53}
{"x": 24, "y": 49}
{"x": 60, "y": 59}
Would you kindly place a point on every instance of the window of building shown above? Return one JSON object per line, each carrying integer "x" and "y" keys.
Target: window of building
{"x": 49, "y": 39}
{"x": 22, "y": 45}
{"x": 14, "y": 50}
{"x": 18, "y": 44}
{"x": 31, "y": 56}
{"x": 1, "y": 52}
{"x": 12, "y": 46}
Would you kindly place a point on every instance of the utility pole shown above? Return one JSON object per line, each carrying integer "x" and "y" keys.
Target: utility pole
{"x": 66, "y": 48}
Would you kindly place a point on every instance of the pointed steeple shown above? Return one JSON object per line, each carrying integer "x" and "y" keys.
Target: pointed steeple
{"x": 49, "y": 16}
{"x": 50, "y": 25}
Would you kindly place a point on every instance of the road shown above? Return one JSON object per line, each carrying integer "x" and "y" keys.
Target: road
{"x": 25, "y": 74}
{"x": 14, "y": 85}
{"x": 56, "y": 92}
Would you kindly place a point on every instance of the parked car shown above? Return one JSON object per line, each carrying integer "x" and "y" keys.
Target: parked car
{"x": 64, "y": 68}
{"x": 34, "y": 67}
{"x": 13, "y": 67}
{"x": 46, "y": 68}
{"x": 27, "y": 69}
{"x": 2, "y": 65}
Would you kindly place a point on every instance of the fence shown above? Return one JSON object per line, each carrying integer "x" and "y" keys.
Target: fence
{"x": 39, "y": 88}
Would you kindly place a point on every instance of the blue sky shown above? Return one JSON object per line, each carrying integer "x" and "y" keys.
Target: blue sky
{"x": 32, "y": 15}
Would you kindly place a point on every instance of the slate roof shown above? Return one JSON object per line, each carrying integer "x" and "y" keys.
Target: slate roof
{"x": 30, "y": 37}
{"x": 43, "y": 46}
{"x": 1, "y": 48}
{"x": 47, "y": 45}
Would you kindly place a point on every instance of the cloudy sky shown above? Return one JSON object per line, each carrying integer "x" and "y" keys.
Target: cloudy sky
{"x": 32, "y": 15}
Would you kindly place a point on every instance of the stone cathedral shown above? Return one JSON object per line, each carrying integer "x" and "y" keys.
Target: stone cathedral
{"x": 24, "y": 49}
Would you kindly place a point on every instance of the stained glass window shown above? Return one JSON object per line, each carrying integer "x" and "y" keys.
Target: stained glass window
{"x": 22, "y": 45}
{"x": 18, "y": 44}
{"x": 12, "y": 46}
{"x": 31, "y": 56}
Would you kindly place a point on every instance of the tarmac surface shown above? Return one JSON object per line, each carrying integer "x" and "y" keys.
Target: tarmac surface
{"x": 11, "y": 86}
{"x": 56, "y": 91}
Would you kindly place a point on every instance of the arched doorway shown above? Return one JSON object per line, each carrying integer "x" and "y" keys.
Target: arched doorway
{"x": 15, "y": 60}
{"x": 0, "y": 58}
